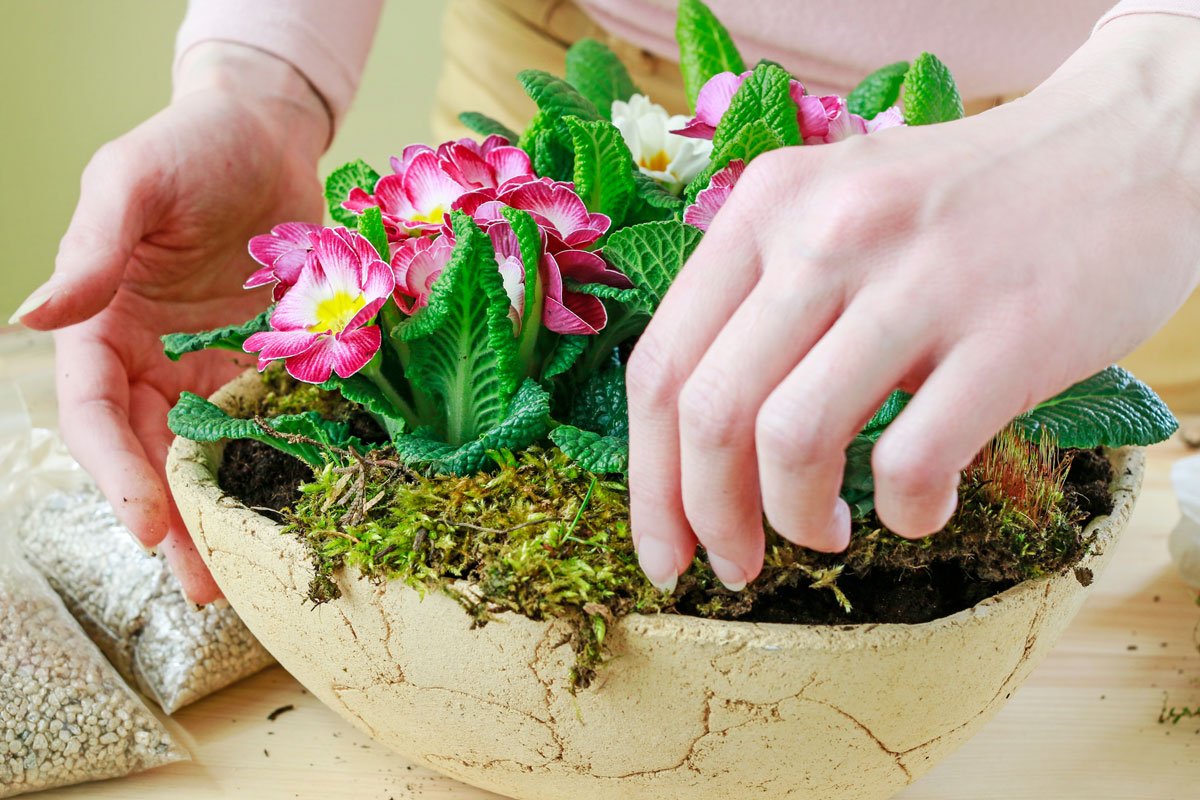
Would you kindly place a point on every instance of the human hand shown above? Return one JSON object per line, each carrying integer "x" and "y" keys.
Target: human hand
{"x": 157, "y": 244}
{"x": 983, "y": 265}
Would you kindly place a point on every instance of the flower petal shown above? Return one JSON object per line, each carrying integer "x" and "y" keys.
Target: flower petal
{"x": 352, "y": 350}
{"x": 272, "y": 345}
{"x": 579, "y": 314}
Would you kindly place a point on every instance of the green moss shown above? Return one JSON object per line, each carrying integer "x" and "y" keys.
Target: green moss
{"x": 539, "y": 536}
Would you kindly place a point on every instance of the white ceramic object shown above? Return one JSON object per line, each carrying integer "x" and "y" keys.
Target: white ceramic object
{"x": 688, "y": 707}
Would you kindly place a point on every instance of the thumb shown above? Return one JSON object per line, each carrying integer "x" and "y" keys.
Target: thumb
{"x": 115, "y": 195}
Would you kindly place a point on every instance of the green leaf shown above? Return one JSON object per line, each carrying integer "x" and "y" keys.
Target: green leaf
{"x": 556, "y": 99}
{"x": 651, "y": 255}
{"x": 564, "y": 355}
{"x": 858, "y": 483}
{"x": 463, "y": 352}
{"x": 655, "y": 194}
{"x": 878, "y": 92}
{"x": 593, "y": 451}
{"x": 1111, "y": 409}
{"x": 705, "y": 47}
{"x": 600, "y": 405}
{"x": 357, "y": 174}
{"x": 529, "y": 238}
{"x": 370, "y": 226}
{"x": 359, "y": 389}
{"x": 597, "y": 73}
{"x": 751, "y": 141}
{"x": 603, "y": 167}
{"x": 197, "y": 419}
{"x": 891, "y": 408}
{"x": 606, "y": 292}
{"x": 551, "y": 159}
{"x": 486, "y": 126}
{"x": 930, "y": 94}
{"x": 528, "y": 420}
{"x": 231, "y": 337}
{"x": 764, "y": 96}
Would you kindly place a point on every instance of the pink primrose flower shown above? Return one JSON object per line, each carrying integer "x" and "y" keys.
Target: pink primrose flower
{"x": 823, "y": 120}
{"x": 320, "y": 326}
{"x": 282, "y": 254}
{"x": 712, "y": 197}
{"x": 425, "y": 183}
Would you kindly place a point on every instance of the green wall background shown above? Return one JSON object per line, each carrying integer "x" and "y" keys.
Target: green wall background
{"x": 76, "y": 73}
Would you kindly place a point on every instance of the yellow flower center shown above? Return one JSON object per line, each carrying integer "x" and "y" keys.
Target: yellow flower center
{"x": 657, "y": 162}
{"x": 334, "y": 313}
{"x": 434, "y": 214}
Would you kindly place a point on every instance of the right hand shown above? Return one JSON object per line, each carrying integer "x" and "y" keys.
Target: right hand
{"x": 157, "y": 244}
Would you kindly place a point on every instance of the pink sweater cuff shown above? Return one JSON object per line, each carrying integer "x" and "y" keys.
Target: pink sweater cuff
{"x": 1181, "y": 8}
{"x": 325, "y": 41}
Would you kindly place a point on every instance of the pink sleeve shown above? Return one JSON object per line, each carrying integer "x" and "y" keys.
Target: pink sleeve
{"x": 327, "y": 42}
{"x": 1182, "y": 8}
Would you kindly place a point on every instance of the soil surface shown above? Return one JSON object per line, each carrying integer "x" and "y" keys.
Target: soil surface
{"x": 263, "y": 478}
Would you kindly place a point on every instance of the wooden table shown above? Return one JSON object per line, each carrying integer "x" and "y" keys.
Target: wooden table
{"x": 1084, "y": 727}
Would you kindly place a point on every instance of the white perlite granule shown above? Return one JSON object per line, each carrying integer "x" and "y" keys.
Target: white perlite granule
{"x": 65, "y": 715}
{"x": 132, "y": 606}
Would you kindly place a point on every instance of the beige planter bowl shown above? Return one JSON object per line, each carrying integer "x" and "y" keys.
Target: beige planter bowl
{"x": 688, "y": 708}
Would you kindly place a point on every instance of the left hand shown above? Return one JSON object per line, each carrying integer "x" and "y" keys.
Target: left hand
{"x": 983, "y": 265}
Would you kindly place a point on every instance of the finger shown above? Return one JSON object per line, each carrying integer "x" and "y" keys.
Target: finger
{"x": 93, "y": 399}
{"x": 764, "y": 340}
{"x": 109, "y": 221}
{"x": 804, "y": 426}
{"x": 187, "y": 566}
{"x": 970, "y": 396}
{"x": 718, "y": 276}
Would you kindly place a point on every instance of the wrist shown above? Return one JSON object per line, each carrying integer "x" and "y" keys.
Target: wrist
{"x": 267, "y": 85}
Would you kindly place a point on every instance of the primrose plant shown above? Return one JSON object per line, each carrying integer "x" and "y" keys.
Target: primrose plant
{"x": 482, "y": 295}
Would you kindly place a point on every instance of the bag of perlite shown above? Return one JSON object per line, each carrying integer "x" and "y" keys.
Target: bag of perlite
{"x": 65, "y": 714}
{"x": 132, "y": 606}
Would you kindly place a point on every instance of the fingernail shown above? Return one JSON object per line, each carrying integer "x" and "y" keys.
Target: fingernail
{"x": 149, "y": 551}
{"x": 658, "y": 562}
{"x": 727, "y": 573}
{"x": 39, "y": 298}
{"x": 220, "y": 603}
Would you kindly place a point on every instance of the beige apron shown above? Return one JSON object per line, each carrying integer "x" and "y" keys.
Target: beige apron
{"x": 487, "y": 42}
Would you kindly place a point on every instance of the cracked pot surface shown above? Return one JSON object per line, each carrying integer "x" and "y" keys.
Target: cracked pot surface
{"x": 687, "y": 708}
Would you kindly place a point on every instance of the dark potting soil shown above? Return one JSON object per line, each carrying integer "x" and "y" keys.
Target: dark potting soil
{"x": 262, "y": 477}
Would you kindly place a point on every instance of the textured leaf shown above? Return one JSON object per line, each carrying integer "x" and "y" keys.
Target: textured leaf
{"x": 486, "y": 126}
{"x": 752, "y": 141}
{"x": 1110, "y": 409}
{"x": 605, "y": 292}
{"x": 705, "y": 47}
{"x": 858, "y": 483}
{"x": 878, "y": 92}
{"x": 564, "y": 355}
{"x": 600, "y": 405}
{"x": 356, "y": 174}
{"x": 370, "y": 225}
{"x": 765, "y": 97}
{"x": 655, "y": 194}
{"x": 527, "y": 421}
{"x": 359, "y": 389}
{"x": 593, "y": 451}
{"x": 462, "y": 351}
{"x": 651, "y": 255}
{"x": 555, "y": 99}
{"x": 891, "y": 408}
{"x": 597, "y": 73}
{"x": 529, "y": 237}
{"x": 604, "y": 167}
{"x": 551, "y": 158}
{"x": 231, "y": 337}
{"x": 197, "y": 419}
{"x": 930, "y": 93}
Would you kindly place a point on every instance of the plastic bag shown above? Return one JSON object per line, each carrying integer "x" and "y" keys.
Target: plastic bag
{"x": 1184, "y": 543}
{"x": 65, "y": 714}
{"x": 132, "y": 606}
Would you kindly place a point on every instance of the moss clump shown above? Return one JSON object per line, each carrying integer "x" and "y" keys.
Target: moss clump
{"x": 541, "y": 537}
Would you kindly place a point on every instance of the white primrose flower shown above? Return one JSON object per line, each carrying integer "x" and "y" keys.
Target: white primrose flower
{"x": 670, "y": 159}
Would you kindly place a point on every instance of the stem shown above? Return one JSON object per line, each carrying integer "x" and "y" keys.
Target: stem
{"x": 374, "y": 373}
